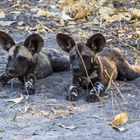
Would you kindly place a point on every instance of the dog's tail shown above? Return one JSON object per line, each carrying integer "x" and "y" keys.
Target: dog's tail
{"x": 128, "y": 71}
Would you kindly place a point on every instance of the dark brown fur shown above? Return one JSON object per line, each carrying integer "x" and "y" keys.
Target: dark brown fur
{"x": 101, "y": 63}
{"x": 27, "y": 61}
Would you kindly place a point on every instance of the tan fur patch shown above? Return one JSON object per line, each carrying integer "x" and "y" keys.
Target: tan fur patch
{"x": 24, "y": 52}
{"x": 21, "y": 52}
{"x": 11, "y": 51}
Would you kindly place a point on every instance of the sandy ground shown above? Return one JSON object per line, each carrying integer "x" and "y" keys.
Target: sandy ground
{"x": 46, "y": 115}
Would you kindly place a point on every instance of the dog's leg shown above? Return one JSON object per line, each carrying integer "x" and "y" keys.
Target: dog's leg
{"x": 73, "y": 94}
{"x": 4, "y": 78}
{"x": 96, "y": 92}
{"x": 29, "y": 82}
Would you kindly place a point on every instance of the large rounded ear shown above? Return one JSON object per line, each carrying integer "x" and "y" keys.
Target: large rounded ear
{"x": 34, "y": 43}
{"x": 65, "y": 42}
{"x": 6, "y": 41}
{"x": 96, "y": 42}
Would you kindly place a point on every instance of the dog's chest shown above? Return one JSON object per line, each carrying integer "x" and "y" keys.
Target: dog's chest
{"x": 88, "y": 81}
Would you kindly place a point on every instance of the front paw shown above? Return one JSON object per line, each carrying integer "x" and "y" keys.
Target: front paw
{"x": 30, "y": 90}
{"x": 72, "y": 96}
{"x": 29, "y": 86}
{"x": 93, "y": 98}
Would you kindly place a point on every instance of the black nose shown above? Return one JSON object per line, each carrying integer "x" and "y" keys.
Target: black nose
{"x": 11, "y": 69}
{"x": 76, "y": 68}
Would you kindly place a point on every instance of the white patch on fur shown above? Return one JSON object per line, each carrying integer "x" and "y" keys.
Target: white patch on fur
{"x": 92, "y": 92}
{"x": 72, "y": 87}
{"x": 29, "y": 83}
{"x": 94, "y": 74}
{"x": 11, "y": 51}
{"x": 24, "y": 52}
{"x": 75, "y": 94}
{"x": 99, "y": 87}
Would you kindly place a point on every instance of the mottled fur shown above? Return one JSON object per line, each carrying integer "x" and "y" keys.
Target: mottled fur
{"x": 28, "y": 62}
{"x": 101, "y": 63}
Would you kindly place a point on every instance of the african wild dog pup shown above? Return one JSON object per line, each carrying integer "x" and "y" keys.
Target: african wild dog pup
{"x": 98, "y": 62}
{"x": 27, "y": 62}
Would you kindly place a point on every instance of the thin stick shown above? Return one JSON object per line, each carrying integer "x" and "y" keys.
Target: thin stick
{"x": 120, "y": 102}
{"x": 100, "y": 118}
{"x": 117, "y": 105}
{"x": 115, "y": 85}
{"x": 110, "y": 78}
{"x": 46, "y": 28}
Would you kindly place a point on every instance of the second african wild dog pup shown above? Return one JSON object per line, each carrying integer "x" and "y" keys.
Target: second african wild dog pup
{"x": 27, "y": 62}
{"x": 98, "y": 62}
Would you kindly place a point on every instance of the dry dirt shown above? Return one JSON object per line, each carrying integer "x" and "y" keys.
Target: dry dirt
{"x": 46, "y": 115}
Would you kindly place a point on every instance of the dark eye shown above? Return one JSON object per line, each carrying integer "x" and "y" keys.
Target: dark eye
{"x": 21, "y": 58}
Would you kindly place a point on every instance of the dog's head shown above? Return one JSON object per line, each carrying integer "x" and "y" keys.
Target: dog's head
{"x": 20, "y": 56}
{"x": 82, "y": 52}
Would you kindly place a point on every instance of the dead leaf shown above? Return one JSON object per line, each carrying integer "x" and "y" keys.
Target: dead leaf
{"x": 7, "y": 23}
{"x": 80, "y": 14}
{"x": 95, "y": 21}
{"x": 105, "y": 13}
{"x": 16, "y": 13}
{"x": 78, "y": 9}
{"x": 2, "y": 14}
{"x": 20, "y": 23}
{"x": 41, "y": 112}
{"x": 41, "y": 13}
{"x": 83, "y": 13}
{"x": 44, "y": 13}
{"x": 20, "y": 5}
{"x": 137, "y": 33}
{"x": 59, "y": 113}
{"x": 67, "y": 127}
{"x": 119, "y": 17}
{"x": 102, "y": 2}
{"x": 18, "y": 100}
{"x": 120, "y": 119}
{"x": 121, "y": 129}
{"x": 64, "y": 16}
{"x": 135, "y": 13}
{"x": 40, "y": 28}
